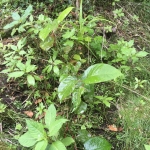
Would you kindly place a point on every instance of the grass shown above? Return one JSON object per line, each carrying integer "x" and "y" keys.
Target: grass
{"x": 134, "y": 113}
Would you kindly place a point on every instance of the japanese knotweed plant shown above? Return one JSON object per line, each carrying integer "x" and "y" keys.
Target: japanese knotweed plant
{"x": 45, "y": 136}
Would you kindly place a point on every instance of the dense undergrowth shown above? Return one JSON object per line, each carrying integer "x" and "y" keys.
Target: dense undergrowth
{"x": 74, "y": 75}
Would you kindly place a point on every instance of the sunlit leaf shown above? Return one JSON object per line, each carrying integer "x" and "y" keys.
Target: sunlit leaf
{"x": 76, "y": 97}
{"x": 77, "y": 57}
{"x": 55, "y": 126}
{"x": 142, "y": 54}
{"x": 66, "y": 87}
{"x": 100, "y": 73}
{"x": 81, "y": 108}
{"x": 50, "y": 115}
{"x": 27, "y": 12}
{"x": 41, "y": 145}
{"x": 68, "y": 141}
{"x": 57, "y": 146}
{"x": 36, "y": 130}
{"x": 16, "y": 74}
{"x": 64, "y": 14}
{"x": 47, "y": 44}
{"x": 31, "y": 80}
{"x": 97, "y": 143}
{"x": 15, "y": 16}
{"x": 46, "y": 31}
{"x": 27, "y": 140}
{"x": 10, "y": 25}
{"x": 69, "y": 34}
{"x": 147, "y": 147}
{"x": 56, "y": 70}
{"x": 83, "y": 136}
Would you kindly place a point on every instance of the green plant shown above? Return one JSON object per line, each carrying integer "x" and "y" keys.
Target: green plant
{"x": 118, "y": 13}
{"x": 139, "y": 83}
{"x": 37, "y": 137}
{"x": 17, "y": 20}
{"x": 103, "y": 99}
{"x": 77, "y": 85}
{"x": 147, "y": 147}
{"x": 91, "y": 143}
{"x": 124, "y": 52}
{"x": 2, "y": 107}
{"x": 40, "y": 110}
{"x": 136, "y": 125}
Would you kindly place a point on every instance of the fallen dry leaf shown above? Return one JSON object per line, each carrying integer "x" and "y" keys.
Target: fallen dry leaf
{"x": 114, "y": 128}
{"x": 38, "y": 101}
{"x": 29, "y": 113}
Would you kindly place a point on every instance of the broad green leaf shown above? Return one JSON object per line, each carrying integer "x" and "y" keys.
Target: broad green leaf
{"x": 30, "y": 68}
{"x": 41, "y": 145}
{"x": 56, "y": 70}
{"x": 20, "y": 65}
{"x": 97, "y": 143}
{"x": 81, "y": 108}
{"x": 47, "y": 44}
{"x": 142, "y": 54}
{"x": 45, "y": 32}
{"x": 27, "y": 12}
{"x": 57, "y": 146}
{"x": 64, "y": 14}
{"x": 50, "y": 115}
{"x": 83, "y": 136}
{"x": 57, "y": 62}
{"x": 27, "y": 140}
{"x": 69, "y": 43}
{"x": 68, "y": 141}
{"x": 55, "y": 126}
{"x": 10, "y": 25}
{"x": 77, "y": 57}
{"x": 31, "y": 80}
{"x": 16, "y": 74}
{"x": 66, "y": 87}
{"x": 49, "y": 27}
{"x": 76, "y": 97}
{"x": 69, "y": 34}
{"x": 15, "y": 16}
{"x": 36, "y": 130}
{"x": 49, "y": 68}
{"x": 130, "y": 43}
{"x": 147, "y": 147}
{"x": 100, "y": 73}
{"x": 21, "y": 43}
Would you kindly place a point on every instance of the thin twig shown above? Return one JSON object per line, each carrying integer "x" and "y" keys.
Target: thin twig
{"x": 28, "y": 97}
{"x": 148, "y": 99}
